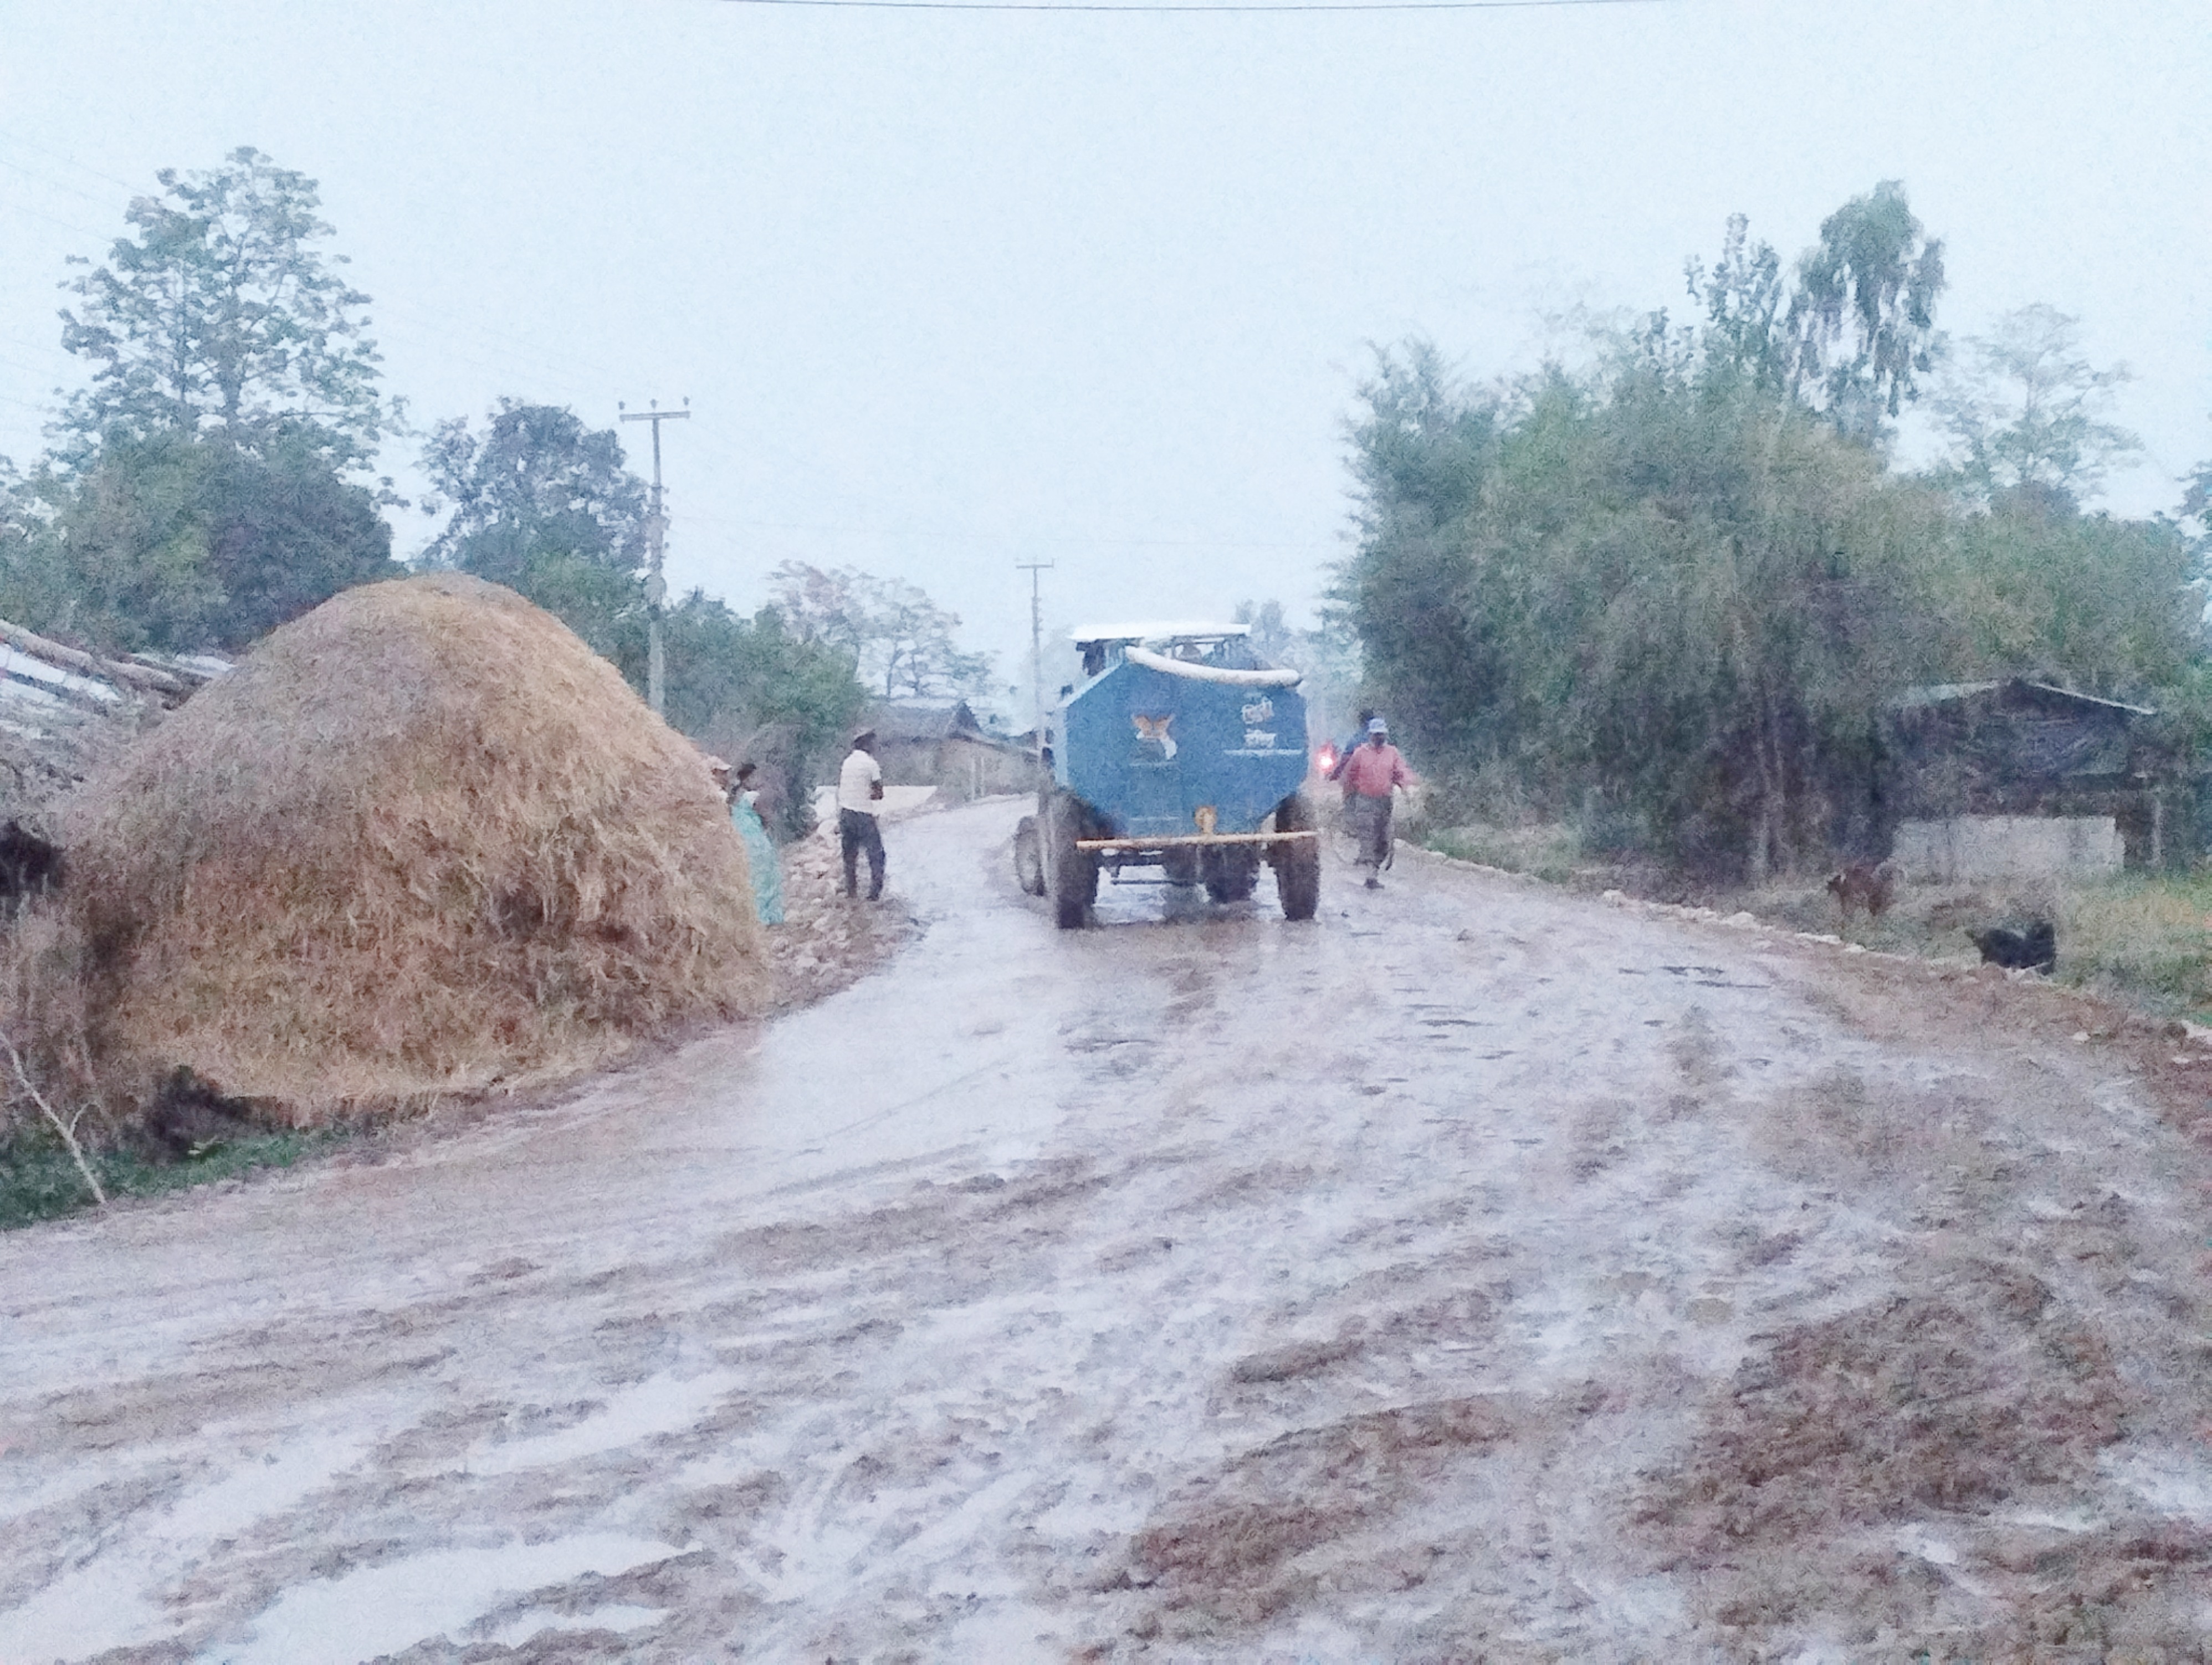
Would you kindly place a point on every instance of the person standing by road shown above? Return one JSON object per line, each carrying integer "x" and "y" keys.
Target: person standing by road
{"x": 1369, "y": 772}
{"x": 859, "y": 789}
{"x": 767, "y": 867}
{"x": 1344, "y": 751}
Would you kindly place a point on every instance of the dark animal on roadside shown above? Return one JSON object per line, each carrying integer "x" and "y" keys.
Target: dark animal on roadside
{"x": 2034, "y": 949}
{"x": 1861, "y": 884}
{"x": 29, "y": 864}
{"x": 189, "y": 1117}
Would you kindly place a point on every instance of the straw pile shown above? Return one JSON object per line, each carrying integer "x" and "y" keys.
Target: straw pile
{"x": 423, "y": 840}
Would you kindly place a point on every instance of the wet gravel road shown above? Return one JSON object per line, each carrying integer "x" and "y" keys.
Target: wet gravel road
{"x": 1478, "y": 1272}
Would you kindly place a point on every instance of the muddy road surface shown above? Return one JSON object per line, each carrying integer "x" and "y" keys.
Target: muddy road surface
{"x": 1478, "y": 1273}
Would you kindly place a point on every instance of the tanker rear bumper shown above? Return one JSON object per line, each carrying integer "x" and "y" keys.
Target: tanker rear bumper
{"x": 1190, "y": 840}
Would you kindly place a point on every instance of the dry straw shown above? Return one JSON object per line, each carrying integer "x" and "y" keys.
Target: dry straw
{"x": 422, "y": 840}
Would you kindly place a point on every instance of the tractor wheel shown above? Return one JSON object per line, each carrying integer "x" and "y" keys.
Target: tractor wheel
{"x": 1073, "y": 873}
{"x": 1029, "y": 857}
{"x": 1297, "y": 866}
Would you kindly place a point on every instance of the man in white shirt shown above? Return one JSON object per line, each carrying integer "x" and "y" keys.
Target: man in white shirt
{"x": 859, "y": 788}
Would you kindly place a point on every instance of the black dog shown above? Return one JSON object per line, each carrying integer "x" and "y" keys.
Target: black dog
{"x": 2035, "y": 949}
{"x": 29, "y": 864}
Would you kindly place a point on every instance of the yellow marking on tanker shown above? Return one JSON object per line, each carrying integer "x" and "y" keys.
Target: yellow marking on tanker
{"x": 1205, "y": 819}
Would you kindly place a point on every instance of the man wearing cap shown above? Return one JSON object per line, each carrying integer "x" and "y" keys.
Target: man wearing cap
{"x": 859, "y": 788}
{"x": 1369, "y": 772}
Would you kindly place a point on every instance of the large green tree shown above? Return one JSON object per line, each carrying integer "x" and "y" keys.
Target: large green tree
{"x": 535, "y": 480}
{"x": 221, "y": 315}
{"x": 1663, "y": 599}
{"x": 541, "y": 503}
{"x": 176, "y": 542}
{"x": 208, "y": 483}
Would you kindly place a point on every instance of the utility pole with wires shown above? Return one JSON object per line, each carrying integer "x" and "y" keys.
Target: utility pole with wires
{"x": 1037, "y": 647}
{"x": 656, "y": 587}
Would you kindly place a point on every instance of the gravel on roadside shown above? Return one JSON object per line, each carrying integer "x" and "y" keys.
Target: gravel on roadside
{"x": 828, "y": 941}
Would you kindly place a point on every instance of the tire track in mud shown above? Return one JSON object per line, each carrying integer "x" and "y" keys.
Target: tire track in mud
{"x": 1482, "y": 1271}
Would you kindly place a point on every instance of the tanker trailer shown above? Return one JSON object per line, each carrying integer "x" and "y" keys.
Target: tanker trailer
{"x": 1179, "y": 750}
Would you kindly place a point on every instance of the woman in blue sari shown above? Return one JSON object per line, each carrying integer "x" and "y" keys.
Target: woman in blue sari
{"x": 760, "y": 851}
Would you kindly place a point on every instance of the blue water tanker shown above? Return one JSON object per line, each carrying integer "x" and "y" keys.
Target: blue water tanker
{"x": 1179, "y": 750}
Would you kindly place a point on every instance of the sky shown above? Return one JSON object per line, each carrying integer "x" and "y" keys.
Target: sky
{"x": 949, "y": 291}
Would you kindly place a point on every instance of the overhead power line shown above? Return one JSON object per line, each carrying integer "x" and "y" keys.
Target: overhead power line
{"x": 1195, "y": 9}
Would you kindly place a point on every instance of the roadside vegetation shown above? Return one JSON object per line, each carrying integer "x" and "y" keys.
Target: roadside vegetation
{"x": 40, "y": 1180}
{"x": 2141, "y": 940}
{"x": 1663, "y": 597}
{"x": 214, "y": 478}
{"x": 1638, "y": 619}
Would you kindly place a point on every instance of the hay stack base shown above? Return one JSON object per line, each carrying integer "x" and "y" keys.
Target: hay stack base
{"x": 421, "y": 842}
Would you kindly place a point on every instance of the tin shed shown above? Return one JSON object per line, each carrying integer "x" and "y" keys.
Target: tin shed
{"x": 2021, "y": 776}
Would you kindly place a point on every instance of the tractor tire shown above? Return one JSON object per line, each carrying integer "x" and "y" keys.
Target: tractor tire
{"x": 1029, "y": 857}
{"x": 1297, "y": 866}
{"x": 1073, "y": 873}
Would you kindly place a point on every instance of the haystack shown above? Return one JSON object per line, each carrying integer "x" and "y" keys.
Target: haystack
{"x": 421, "y": 841}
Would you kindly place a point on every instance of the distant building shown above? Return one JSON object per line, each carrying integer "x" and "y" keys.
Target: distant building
{"x": 1990, "y": 779}
{"x": 939, "y": 743}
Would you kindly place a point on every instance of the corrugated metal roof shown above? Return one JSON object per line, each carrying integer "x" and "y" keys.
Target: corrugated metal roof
{"x": 1945, "y": 693}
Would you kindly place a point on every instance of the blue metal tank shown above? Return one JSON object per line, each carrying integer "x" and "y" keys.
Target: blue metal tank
{"x": 1148, "y": 750}
{"x": 1166, "y": 732}
{"x": 1179, "y": 750}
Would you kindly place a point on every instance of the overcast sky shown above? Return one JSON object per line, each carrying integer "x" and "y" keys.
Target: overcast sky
{"x": 949, "y": 290}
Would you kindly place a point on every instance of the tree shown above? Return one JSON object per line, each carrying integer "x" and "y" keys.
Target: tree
{"x": 2025, "y": 414}
{"x": 221, "y": 318}
{"x": 1862, "y": 316}
{"x": 893, "y": 634}
{"x": 2105, "y": 606}
{"x": 1669, "y": 598}
{"x": 1421, "y": 459}
{"x": 1744, "y": 296}
{"x": 537, "y": 482}
{"x": 1660, "y": 600}
{"x": 731, "y": 678}
{"x": 544, "y": 505}
{"x": 2197, "y": 514}
{"x": 285, "y": 533}
{"x": 541, "y": 503}
{"x": 1268, "y": 631}
{"x": 200, "y": 495}
{"x": 177, "y": 543}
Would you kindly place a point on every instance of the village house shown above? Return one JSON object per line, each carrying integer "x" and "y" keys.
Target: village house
{"x": 939, "y": 743}
{"x": 1987, "y": 780}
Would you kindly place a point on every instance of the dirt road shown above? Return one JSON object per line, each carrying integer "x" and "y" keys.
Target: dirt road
{"x": 1479, "y": 1273}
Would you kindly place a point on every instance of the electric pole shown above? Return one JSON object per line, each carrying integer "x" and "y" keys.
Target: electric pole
{"x": 1036, "y": 647}
{"x": 656, "y": 587}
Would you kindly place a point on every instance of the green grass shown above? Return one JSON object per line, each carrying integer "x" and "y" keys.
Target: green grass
{"x": 1553, "y": 852}
{"x": 2147, "y": 941}
{"x": 38, "y": 1181}
{"x": 2142, "y": 940}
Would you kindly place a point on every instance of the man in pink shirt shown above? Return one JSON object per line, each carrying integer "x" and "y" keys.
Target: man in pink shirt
{"x": 1369, "y": 772}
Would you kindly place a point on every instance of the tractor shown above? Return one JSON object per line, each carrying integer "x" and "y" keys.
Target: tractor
{"x": 1179, "y": 750}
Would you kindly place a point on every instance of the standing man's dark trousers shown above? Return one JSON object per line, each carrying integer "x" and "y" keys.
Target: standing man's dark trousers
{"x": 1371, "y": 815}
{"x": 857, "y": 831}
